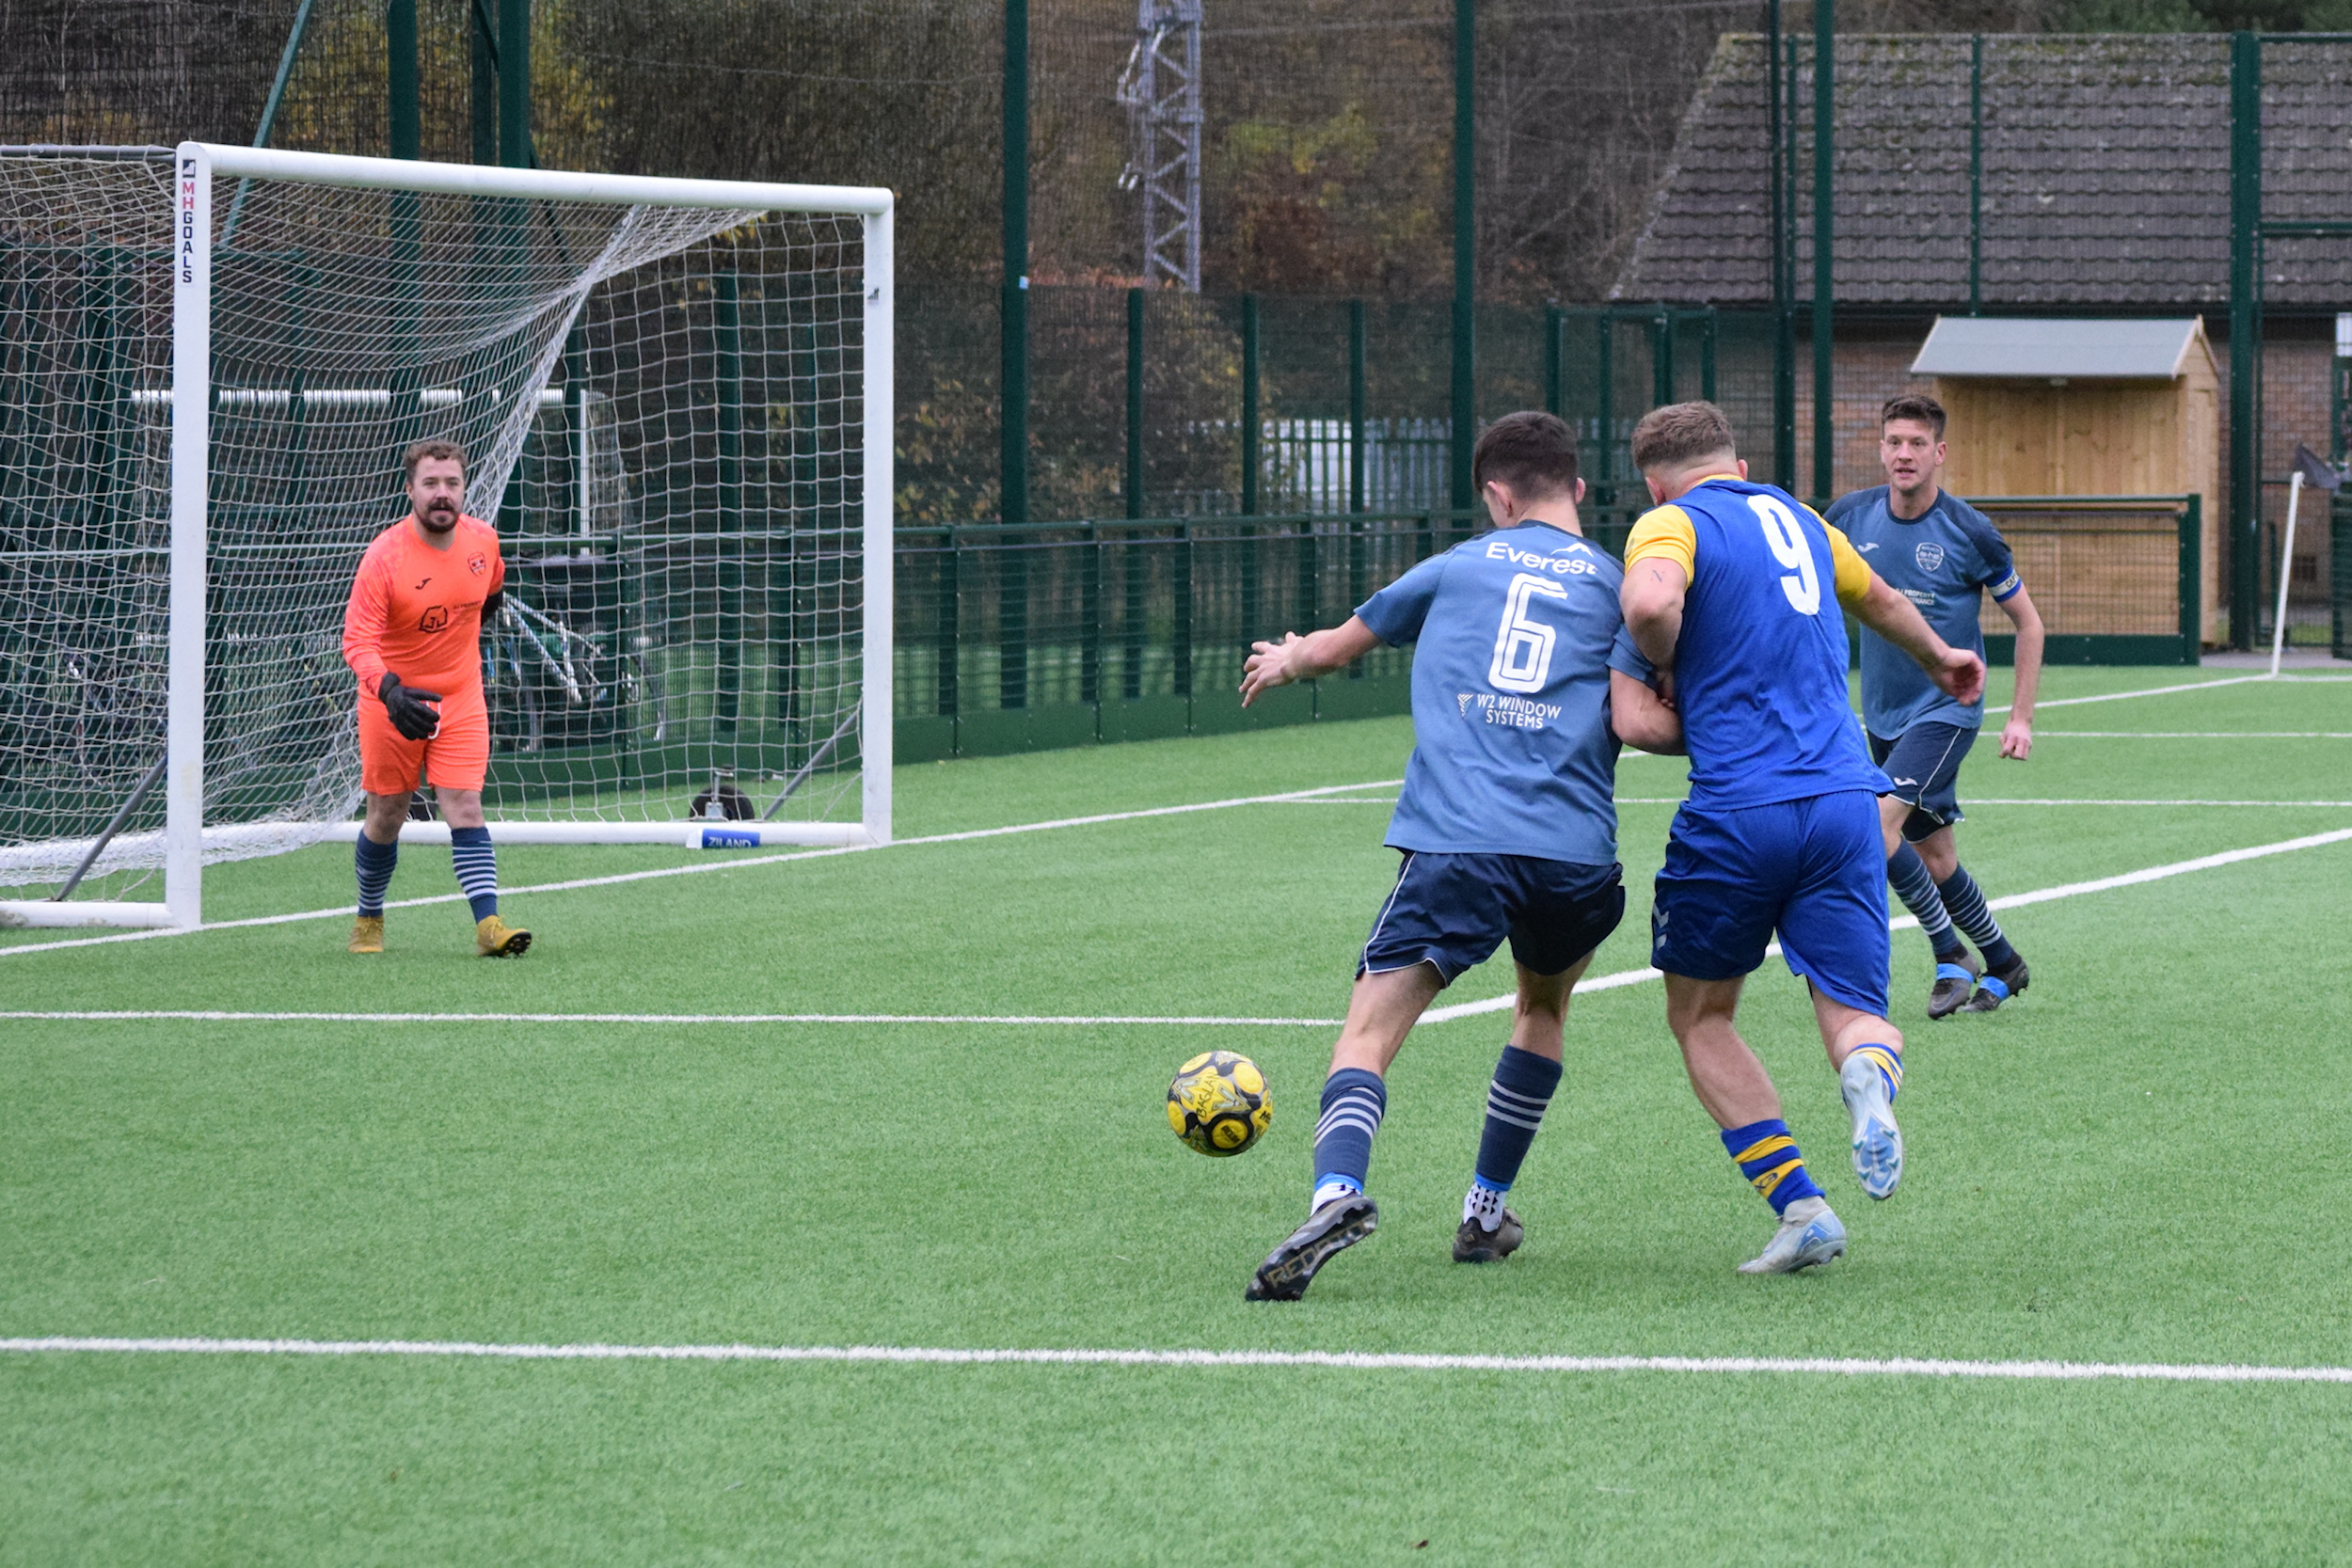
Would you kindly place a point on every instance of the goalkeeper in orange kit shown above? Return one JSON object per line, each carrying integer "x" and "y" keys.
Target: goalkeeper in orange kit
{"x": 412, "y": 633}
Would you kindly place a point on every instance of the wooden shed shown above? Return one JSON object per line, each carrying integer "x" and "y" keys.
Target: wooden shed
{"x": 2040, "y": 406}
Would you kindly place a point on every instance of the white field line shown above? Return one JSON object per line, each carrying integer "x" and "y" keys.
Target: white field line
{"x": 2014, "y": 900}
{"x": 2062, "y": 1371}
{"x": 1435, "y": 1014}
{"x": 343, "y": 911}
{"x": 2185, "y": 686}
{"x": 2195, "y": 735}
{"x": 2021, "y": 800}
{"x": 203, "y": 1015}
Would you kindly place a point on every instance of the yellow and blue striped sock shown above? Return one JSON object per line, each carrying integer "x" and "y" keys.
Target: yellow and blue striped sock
{"x": 1769, "y": 1158}
{"x": 1889, "y": 1062}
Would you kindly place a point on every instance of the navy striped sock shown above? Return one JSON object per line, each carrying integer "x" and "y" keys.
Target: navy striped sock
{"x": 477, "y": 868}
{"x": 1354, "y": 1101}
{"x": 1965, "y": 901}
{"x": 1915, "y": 887}
{"x": 1767, "y": 1157}
{"x": 1522, "y": 1087}
{"x": 375, "y": 862}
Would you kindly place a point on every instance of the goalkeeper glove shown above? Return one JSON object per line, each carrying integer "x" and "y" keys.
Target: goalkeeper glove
{"x": 409, "y": 707}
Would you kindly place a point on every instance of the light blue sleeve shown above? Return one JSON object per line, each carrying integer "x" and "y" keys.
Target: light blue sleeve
{"x": 1396, "y": 613}
{"x": 1626, "y": 658}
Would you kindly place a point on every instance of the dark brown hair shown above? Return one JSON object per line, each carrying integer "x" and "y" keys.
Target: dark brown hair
{"x": 1531, "y": 452}
{"x": 419, "y": 451}
{"x": 1670, "y": 439}
{"x": 1913, "y": 406}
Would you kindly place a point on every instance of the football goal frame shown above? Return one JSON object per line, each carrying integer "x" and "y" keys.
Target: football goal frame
{"x": 210, "y": 180}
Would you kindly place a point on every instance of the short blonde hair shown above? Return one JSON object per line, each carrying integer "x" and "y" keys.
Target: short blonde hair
{"x": 1670, "y": 439}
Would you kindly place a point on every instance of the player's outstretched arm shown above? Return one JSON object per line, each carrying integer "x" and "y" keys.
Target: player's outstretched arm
{"x": 2017, "y": 735}
{"x": 1304, "y": 658}
{"x": 1959, "y": 673}
{"x": 1641, "y": 717}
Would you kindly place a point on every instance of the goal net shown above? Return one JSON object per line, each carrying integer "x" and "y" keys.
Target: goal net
{"x": 675, "y": 399}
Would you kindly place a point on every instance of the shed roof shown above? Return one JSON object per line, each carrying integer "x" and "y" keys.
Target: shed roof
{"x": 2105, "y": 175}
{"x": 2039, "y": 346}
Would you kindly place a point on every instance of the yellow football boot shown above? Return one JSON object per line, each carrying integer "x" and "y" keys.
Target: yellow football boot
{"x": 367, "y": 934}
{"x": 494, "y": 938}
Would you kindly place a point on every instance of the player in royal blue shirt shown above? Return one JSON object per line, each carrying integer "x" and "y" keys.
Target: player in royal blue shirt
{"x": 1944, "y": 555}
{"x": 1732, "y": 591}
{"x": 1524, "y": 683}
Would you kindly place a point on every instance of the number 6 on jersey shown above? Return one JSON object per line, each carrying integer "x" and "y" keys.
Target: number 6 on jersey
{"x": 1786, "y": 542}
{"x": 1523, "y": 646}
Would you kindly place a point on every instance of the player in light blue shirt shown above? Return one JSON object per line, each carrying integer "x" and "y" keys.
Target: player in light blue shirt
{"x": 1524, "y": 682}
{"x": 1944, "y": 555}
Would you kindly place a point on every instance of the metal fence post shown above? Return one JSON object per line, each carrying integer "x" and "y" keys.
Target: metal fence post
{"x": 1661, "y": 358}
{"x": 1555, "y": 322}
{"x": 1605, "y": 381}
{"x": 1090, "y": 617}
{"x": 1976, "y": 175}
{"x": 1464, "y": 431}
{"x": 514, "y": 62}
{"x": 2243, "y": 561}
{"x": 484, "y": 82}
{"x": 1250, "y": 461}
{"x": 1824, "y": 249}
{"x": 403, "y": 119}
{"x": 950, "y": 629}
{"x": 1136, "y": 624}
{"x": 1357, "y": 456}
{"x": 2192, "y": 578}
{"x": 1249, "y": 429}
{"x": 1135, "y": 402}
{"x": 1706, "y": 354}
{"x": 1181, "y": 575}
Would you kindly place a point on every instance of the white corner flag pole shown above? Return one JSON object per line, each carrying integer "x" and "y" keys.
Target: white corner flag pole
{"x": 2286, "y": 570}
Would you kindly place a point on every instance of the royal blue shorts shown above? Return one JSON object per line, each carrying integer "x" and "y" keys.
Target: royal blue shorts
{"x": 1453, "y": 911}
{"x": 1924, "y": 764}
{"x": 1815, "y": 870}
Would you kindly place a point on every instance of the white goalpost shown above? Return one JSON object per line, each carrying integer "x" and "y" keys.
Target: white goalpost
{"x": 675, "y": 399}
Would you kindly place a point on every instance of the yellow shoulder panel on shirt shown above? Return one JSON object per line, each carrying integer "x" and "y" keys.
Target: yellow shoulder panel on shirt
{"x": 1664, "y": 533}
{"x": 1852, "y": 572}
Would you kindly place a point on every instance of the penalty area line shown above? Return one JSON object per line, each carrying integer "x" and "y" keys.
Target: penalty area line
{"x": 1366, "y": 1361}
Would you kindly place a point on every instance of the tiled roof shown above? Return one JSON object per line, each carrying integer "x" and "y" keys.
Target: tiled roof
{"x": 2105, "y": 174}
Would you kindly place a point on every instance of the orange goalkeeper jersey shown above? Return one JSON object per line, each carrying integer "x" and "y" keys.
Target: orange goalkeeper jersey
{"x": 416, "y": 611}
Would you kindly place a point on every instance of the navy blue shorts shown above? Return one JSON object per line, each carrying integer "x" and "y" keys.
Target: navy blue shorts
{"x": 1453, "y": 911}
{"x": 1924, "y": 762}
{"x": 1815, "y": 870}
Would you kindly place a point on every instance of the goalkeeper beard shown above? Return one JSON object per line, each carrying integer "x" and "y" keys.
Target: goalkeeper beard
{"x": 439, "y": 515}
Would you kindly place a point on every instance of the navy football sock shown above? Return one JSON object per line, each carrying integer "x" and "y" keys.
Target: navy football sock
{"x": 1522, "y": 1087}
{"x": 1965, "y": 901}
{"x": 1354, "y": 1101}
{"x": 375, "y": 862}
{"x": 1912, "y": 883}
{"x": 477, "y": 866}
{"x": 1767, "y": 1157}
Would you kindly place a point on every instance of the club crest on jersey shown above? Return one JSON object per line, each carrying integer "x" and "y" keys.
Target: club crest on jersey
{"x": 477, "y": 564}
{"x": 434, "y": 619}
{"x": 1930, "y": 555}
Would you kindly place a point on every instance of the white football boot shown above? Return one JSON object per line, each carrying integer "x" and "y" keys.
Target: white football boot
{"x": 1809, "y": 1235}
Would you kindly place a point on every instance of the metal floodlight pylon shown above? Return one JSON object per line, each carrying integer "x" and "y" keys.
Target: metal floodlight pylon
{"x": 1160, "y": 89}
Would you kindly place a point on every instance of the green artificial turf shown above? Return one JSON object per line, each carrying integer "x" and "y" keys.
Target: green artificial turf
{"x": 2139, "y": 1160}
